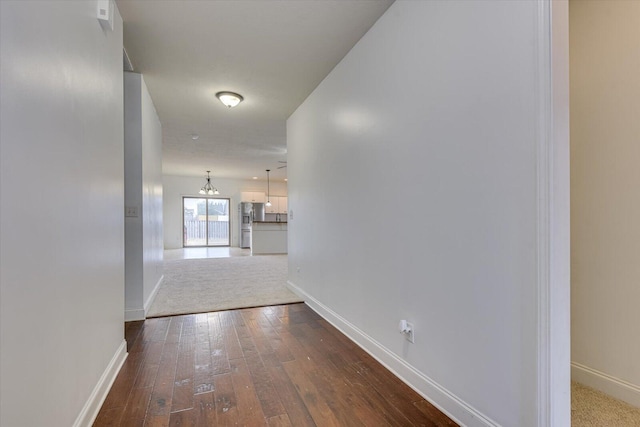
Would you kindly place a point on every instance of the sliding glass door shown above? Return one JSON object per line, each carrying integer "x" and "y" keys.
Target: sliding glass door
{"x": 205, "y": 221}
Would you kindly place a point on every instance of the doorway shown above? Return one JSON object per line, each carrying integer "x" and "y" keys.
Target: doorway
{"x": 205, "y": 222}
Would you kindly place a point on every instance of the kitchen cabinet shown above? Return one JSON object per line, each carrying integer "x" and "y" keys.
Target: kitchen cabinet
{"x": 278, "y": 204}
{"x": 283, "y": 204}
{"x": 268, "y": 238}
{"x": 253, "y": 196}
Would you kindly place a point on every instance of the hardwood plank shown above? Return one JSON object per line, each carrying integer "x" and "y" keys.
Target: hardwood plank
{"x": 294, "y": 405}
{"x": 225, "y": 401}
{"x": 132, "y": 331}
{"x": 123, "y": 383}
{"x": 369, "y": 407}
{"x": 109, "y": 417}
{"x": 160, "y": 331}
{"x": 316, "y": 405}
{"x": 175, "y": 330}
{"x": 203, "y": 376}
{"x": 262, "y": 345}
{"x": 269, "y": 399}
{"x": 386, "y": 385}
{"x": 147, "y": 375}
{"x": 202, "y": 414}
{"x": 267, "y": 395}
{"x": 156, "y": 421}
{"x": 205, "y": 407}
{"x": 146, "y": 332}
{"x": 370, "y": 398}
{"x": 280, "y": 349}
{"x": 132, "y": 423}
{"x": 231, "y": 342}
{"x": 279, "y": 421}
{"x": 152, "y": 352}
{"x": 330, "y": 380}
{"x": 249, "y": 408}
{"x": 383, "y": 393}
{"x": 183, "y": 390}
{"x": 188, "y": 326}
{"x": 391, "y": 388}
{"x": 136, "y": 409}
{"x": 219, "y": 356}
{"x": 183, "y": 418}
{"x": 440, "y": 419}
{"x": 162, "y": 395}
{"x": 345, "y": 405}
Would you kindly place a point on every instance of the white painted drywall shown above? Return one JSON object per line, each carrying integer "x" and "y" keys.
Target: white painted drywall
{"x": 152, "y": 225}
{"x": 426, "y": 136}
{"x": 605, "y": 202}
{"x": 175, "y": 187}
{"x": 143, "y": 191}
{"x": 61, "y": 208}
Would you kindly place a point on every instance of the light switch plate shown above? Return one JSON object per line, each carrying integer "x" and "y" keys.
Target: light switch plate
{"x": 131, "y": 211}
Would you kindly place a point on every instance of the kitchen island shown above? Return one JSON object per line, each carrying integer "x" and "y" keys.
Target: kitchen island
{"x": 268, "y": 237}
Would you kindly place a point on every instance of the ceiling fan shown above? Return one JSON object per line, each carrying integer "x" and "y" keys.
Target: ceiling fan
{"x": 283, "y": 166}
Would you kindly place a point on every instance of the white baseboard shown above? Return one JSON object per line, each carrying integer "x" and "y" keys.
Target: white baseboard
{"x": 152, "y": 296}
{"x": 91, "y": 408}
{"x": 131, "y": 315}
{"x": 141, "y": 313}
{"x": 606, "y": 383}
{"x": 454, "y": 407}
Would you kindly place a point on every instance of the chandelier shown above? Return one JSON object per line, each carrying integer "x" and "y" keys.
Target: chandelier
{"x": 208, "y": 188}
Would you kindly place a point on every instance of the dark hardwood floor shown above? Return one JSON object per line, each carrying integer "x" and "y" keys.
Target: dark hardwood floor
{"x": 270, "y": 366}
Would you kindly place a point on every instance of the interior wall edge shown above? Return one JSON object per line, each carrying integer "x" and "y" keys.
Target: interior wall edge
{"x": 131, "y": 315}
{"x": 152, "y": 296}
{"x": 451, "y": 405}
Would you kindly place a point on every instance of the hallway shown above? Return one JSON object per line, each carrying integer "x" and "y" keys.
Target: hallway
{"x": 275, "y": 366}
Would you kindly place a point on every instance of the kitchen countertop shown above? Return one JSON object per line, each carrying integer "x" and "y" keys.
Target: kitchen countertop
{"x": 270, "y": 222}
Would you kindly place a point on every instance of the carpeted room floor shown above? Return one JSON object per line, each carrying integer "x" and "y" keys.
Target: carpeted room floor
{"x": 214, "y": 284}
{"x": 591, "y": 408}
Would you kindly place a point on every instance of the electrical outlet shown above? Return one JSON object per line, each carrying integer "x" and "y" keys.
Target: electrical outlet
{"x": 298, "y": 270}
{"x": 410, "y": 335}
{"x": 406, "y": 328}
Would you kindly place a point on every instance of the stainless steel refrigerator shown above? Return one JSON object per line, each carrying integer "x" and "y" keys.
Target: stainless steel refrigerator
{"x": 249, "y": 212}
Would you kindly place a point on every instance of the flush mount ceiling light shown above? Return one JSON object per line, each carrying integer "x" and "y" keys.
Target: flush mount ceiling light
{"x": 230, "y": 99}
{"x": 208, "y": 188}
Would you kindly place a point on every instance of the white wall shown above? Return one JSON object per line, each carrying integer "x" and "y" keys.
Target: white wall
{"x": 175, "y": 187}
{"x": 427, "y": 137}
{"x": 61, "y": 212}
{"x": 143, "y": 191}
{"x": 605, "y": 202}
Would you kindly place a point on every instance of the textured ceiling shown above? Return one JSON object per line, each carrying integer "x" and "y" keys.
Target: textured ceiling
{"x": 274, "y": 53}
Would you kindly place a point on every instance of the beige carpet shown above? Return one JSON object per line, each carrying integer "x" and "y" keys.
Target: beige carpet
{"x": 591, "y": 408}
{"x": 213, "y": 284}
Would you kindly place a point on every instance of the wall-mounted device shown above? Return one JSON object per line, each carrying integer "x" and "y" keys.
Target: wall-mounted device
{"x": 106, "y": 10}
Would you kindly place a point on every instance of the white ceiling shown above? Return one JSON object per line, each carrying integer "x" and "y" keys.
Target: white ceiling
{"x": 274, "y": 53}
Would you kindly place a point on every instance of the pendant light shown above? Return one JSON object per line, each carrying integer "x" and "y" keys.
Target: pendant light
{"x": 208, "y": 188}
{"x": 268, "y": 198}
